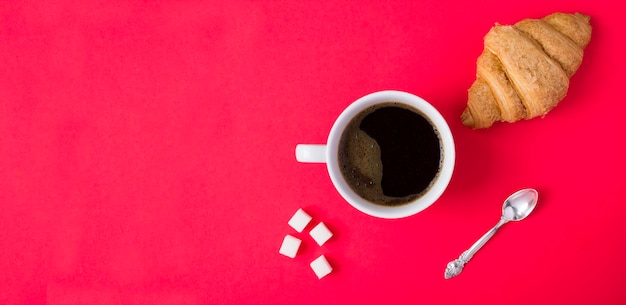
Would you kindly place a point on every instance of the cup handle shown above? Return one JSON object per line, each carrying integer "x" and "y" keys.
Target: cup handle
{"x": 311, "y": 153}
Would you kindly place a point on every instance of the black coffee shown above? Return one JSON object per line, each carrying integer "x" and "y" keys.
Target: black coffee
{"x": 390, "y": 154}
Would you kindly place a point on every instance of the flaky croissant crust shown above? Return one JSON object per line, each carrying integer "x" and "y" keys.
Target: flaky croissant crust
{"x": 524, "y": 69}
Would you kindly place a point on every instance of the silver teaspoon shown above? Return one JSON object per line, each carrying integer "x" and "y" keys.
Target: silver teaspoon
{"x": 516, "y": 207}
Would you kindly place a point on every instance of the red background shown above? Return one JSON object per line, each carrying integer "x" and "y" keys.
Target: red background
{"x": 147, "y": 156}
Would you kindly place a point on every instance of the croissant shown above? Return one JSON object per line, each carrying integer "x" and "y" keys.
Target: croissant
{"x": 524, "y": 69}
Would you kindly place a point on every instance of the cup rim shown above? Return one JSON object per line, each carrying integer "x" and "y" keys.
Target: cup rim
{"x": 417, "y": 205}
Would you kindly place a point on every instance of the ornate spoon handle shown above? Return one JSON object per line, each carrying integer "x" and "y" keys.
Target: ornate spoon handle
{"x": 456, "y": 266}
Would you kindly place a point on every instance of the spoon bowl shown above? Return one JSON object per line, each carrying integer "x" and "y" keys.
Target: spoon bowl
{"x": 519, "y": 204}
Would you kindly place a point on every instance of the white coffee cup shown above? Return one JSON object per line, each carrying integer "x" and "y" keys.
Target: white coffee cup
{"x": 329, "y": 153}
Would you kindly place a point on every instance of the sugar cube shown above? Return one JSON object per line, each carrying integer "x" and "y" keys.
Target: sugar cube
{"x": 299, "y": 220}
{"x": 321, "y": 267}
{"x": 290, "y": 246}
{"x": 320, "y": 233}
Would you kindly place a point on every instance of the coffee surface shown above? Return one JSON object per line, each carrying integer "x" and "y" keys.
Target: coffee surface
{"x": 390, "y": 154}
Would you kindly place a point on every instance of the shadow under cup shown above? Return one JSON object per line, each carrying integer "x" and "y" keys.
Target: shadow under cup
{"x": 416, "y": 202}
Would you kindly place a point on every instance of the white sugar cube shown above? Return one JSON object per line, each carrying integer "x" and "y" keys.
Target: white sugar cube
{"x": 320, "y": 233}
{"x": 290, "y": 246}
{"x": 299, "y": 220}
{"x": 321, "y": 267}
